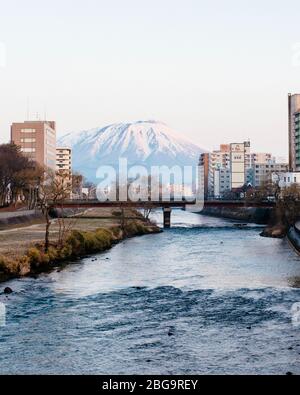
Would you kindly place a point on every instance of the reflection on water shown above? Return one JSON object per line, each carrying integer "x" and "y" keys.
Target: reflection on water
{"x": 224, "y": 293}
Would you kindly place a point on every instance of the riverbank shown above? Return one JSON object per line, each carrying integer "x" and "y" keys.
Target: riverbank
{"x": 22, "y": 249}
{"x": 293, "y": 236}
{"x": 259, "y": 216}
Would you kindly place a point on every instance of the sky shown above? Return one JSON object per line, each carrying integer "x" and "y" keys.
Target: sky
{"x": 215, "y": 71}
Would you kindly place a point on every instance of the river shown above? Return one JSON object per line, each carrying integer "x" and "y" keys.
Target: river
{"x": 202, "y": 297}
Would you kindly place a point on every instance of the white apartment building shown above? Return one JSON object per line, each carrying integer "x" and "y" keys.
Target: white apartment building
{"x": 286, "y": 179}
{"x": 64, "y": 160}
{"x": 222, "y": 182}
{"x": 240, "y": 161}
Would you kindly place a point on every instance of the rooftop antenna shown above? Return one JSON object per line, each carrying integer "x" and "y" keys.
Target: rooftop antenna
{"x": 27, "y": 109}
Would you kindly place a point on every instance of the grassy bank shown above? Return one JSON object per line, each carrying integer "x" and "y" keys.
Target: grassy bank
{"x": 86, "y": 237}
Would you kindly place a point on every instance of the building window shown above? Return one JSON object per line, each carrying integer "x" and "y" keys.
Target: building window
{"x": 28, "y": 140}
{"x": 28, "y": 130}
{"x": 27, "y": 150}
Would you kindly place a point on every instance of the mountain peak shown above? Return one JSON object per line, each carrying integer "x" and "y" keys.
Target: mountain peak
{"x": 146, "y": 143}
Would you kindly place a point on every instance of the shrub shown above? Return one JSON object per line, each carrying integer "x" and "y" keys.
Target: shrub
{"x": 90, "y": 242}
{"x": 76, "y": 242}
{"x": 9, "y": 266}
{"x": 18, "y": 266}
{"x": 66, "y": 252}
{"x": 116, "y": 233}
{"x": 37, "y": 258}
{"x": 104, "y": 237}
{"x": 52, "y": 253}
{"x": 97, "y": 241}
{"x": 34, "y": 256}
{"x": 24, "y": 265}
{"x": 131, "y": 229}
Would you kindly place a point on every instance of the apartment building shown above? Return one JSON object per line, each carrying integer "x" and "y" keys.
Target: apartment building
{"x": 37, "y": 140}
{"x": 286, "y": 179}
{"x": 294, "y": 132}
{"x": 234, "y": 165}
{"x": 222, "y": 182}
{"x": 260, "y": 157}
{"x": 64, "y": 160}
{"x": 240, "y": 161}
{"x": 211, "y": 162}
{"x": 265, "y": 172}
{"x": 296, "y": 125}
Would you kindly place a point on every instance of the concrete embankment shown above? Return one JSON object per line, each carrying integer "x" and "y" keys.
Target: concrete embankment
{"x": 19, "y": 218}
{"x": 293, "y": 236}
{"x": 247, "y": 214}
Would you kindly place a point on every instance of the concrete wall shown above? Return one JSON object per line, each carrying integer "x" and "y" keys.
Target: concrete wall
{"x": 293, "y": 236}
{"x": 18, "y": 217}
{"x": 247, "y": 214}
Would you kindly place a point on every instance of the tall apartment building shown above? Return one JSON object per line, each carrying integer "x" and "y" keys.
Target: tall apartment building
{"x": 204, "y": 162}
{"x": 64, "y": 160}
{"x": 211, "y": 162}
{"x": 64, "y": 164}
{"x": 37, "y": 140}
{"x": 294, "y": 132}
{"x": 240, "y": 161}
{"x": 297, "y": 139}
{"x": 222, "y": 182}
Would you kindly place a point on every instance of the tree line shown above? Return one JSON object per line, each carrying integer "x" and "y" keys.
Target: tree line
{"x": 23, "y": 181}
{"x": 19, "y": 177}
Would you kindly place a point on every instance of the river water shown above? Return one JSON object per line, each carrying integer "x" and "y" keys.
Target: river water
{"x": 202, "y": 297}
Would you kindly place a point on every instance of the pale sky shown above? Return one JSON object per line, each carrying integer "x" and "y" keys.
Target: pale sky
{"x": 216, "y": 71}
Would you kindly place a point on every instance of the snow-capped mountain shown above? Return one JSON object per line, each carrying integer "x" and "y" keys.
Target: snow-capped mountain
{"x": 147, "y": 143}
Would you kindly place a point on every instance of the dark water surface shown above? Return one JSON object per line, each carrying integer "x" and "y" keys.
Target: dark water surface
{"x": 203, "y": 297}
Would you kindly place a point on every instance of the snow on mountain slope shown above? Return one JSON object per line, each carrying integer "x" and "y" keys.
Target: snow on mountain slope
{"x": 147, "y": 143}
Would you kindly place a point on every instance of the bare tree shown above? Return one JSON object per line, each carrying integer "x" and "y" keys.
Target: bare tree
{"x": 288, "y": 205}
{"x": 13, "y": 167}
{"x": 55, "y": 189}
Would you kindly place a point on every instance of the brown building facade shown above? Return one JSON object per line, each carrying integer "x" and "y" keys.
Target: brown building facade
{"x": 294, "y": 134}
{"x": 37, "y": 140}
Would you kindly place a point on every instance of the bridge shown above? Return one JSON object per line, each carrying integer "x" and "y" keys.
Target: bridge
{"x": 166, "y": 205}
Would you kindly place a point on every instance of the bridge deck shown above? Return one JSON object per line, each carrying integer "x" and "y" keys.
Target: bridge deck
{"x": 160, "y": 204}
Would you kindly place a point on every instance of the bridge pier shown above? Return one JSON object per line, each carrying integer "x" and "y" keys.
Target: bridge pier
{"x": 167, "y": 217}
